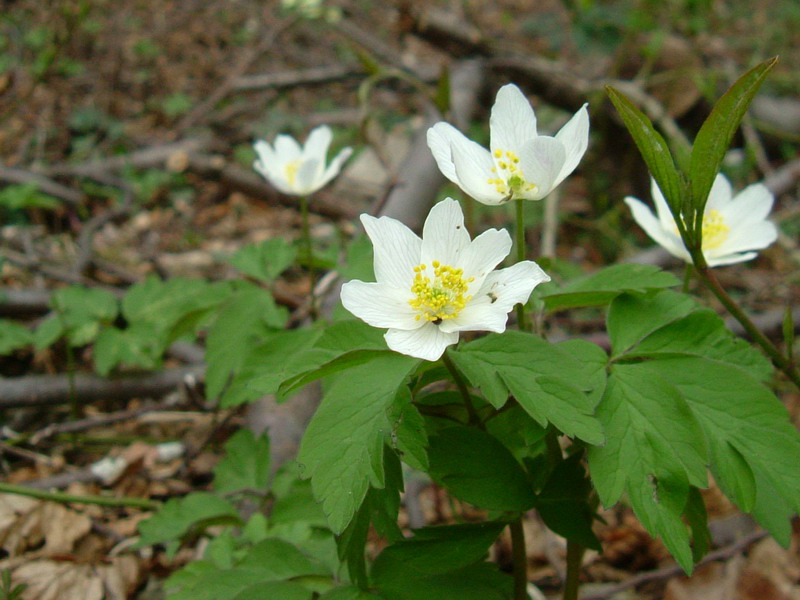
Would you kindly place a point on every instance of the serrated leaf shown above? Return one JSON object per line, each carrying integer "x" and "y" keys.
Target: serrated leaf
{"x": 266, "y": 260}
{"x": 632, "y": 318}
{"x": 408, "y": 436}
{"x": 342, "y": 449}
{"x": 476, "y": 468}
{"x": 48, "y": 332}
{"x": 285, "y": 590}
{"x": 563, "y": 503}
{"x": 179, "y": 516}
{"x": 245, "y": 465}
{"x": 277, "y": 559}
{"x": 650, "y": 430}
{"x": 716, "y": 133}
{"x": 703, "y": 333}
{"x": 433, "y": 551}
{"x": 136, "y": 346}
{"x": 697, "y": 518}
{"x": 736, "y": 411}
{"x": 164, "y": 303}
{"x": 13, "y": 336}
{"x": 652, "y": 147}
{"x": 599, "y": 289}
{"x": 82, "y": 310}
{"x": 549, "y": 384}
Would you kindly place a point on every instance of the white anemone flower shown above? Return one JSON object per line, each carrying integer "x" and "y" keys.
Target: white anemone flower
{"x": 299, "y": 171}
{"x": 430, "y": 289}
{"x": 733, "y": 226}
{"x": 521, "y": 164}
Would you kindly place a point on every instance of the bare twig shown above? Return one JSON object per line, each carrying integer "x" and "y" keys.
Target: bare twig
{"x": 667, "y": 572}
{"x": 42, "y": 390}
{"x": 45, "y": 184}
{"x": 282, "y": 79}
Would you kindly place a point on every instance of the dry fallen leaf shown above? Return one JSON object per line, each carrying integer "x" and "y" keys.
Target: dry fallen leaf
{"x": 26, "y": 523}
{"x": 54, "y": 580}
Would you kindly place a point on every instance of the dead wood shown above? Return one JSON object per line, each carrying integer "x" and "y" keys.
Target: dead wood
{"x": 285, "y": 79}
{"x": 45, "y": 184}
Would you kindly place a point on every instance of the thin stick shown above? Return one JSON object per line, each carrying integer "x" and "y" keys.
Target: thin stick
{"x": 8, "y": 488}
{"x": 306, "y": 233}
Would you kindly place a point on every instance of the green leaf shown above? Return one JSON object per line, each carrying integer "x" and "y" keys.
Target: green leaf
{"x": 48, "y": 331}
{"x": 598, "y": 289}
{"x": 549, "y": 384}
{"x": 285, "y": 590}
{"x": 716, "y": 133}
{"x": 736, "y": 411}
{"x": 136, "y": 346}
{"x": 476, "y": 468}
{"x": 277, "y": 560}
{"x": 481, "y": 581}
{"x": 244, "y": 320}
{"x": 433, "y": 551}
{"x": 359, "y": 260}
{"x": 82, "y": 310}
{"x": 563, "y": 503}
{"x": 655, "y": 448}
{"x": 408, "y": 437}
{"x": 245, "y": 465}
{"x": 13, "y": 336}
{"x": 653, "y": 148}
{"x": 348, "y": 592}
{"x": 266, "y": 260}
{"x": 164, "y": 303}
{"x": 703, "y": 333}
{"x": 181, "y": 516}
{"x": 342, "y": 449}
{"x": 697, "y": 517}
{"x": 632, "y": 318}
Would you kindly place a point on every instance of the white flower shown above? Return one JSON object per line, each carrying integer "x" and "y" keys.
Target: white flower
{"x": 732, "y": 226}
{"x": 521, "y": 164}
{"x": 430, "y": 289}
{"x": 299, "y": 171}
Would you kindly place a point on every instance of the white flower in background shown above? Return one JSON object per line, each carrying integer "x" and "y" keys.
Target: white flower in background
{"x": 430, "y": 289}
{"x": 733, "y": 226}
{"x": 312, "y": 9}
{"x": 299, "y": 171}
{"x": 520, "y": 163}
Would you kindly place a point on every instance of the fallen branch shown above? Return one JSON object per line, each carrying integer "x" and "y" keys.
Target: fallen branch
{"x": 283, "y": 79}
{"x": 43, "y": 390}
{"x": 45, "y": 184}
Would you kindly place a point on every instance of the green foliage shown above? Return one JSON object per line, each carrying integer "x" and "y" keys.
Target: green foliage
{"x": 552, "y": 386}
{"x": 13, "y": 336}
{"x": 8, "y": 591}
{"x": 245, "y": 465}
{"x": 342, "y": 449}
{"x": 475, "y": 467}
{"x": 265, "y": 261}
{"x": 22, "y": 196}
{"x": 80, "y": 313}
{"x": 599, "y": 289}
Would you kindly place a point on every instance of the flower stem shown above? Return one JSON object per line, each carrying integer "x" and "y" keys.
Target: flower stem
{"x": 519, "y": 558}
{"x": 522, "y": 321}
{"x": 574, "y": 560}
{"x": 687, "y": 278}
{"x": 712, "y": 283}
{"x": 8, "y": 488}
{"x": 474, "y": 418}
{"x": 309, "y": 252}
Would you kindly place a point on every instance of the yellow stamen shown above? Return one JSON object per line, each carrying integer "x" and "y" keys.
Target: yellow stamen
{"x": 715, "y": 232}
{"x": 441, "y": 298}
{"x": 291, "y": 170}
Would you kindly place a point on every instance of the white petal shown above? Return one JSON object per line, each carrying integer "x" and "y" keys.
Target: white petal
{"x": 474, "y": 165}
{"x": 397, "y": 250}
{"x": 720, "y": 194}
{"x": 747, "y": 237}
{"x": 662, "y": 208}
{"x": 575, "y": 137}
{"x": 379, "y": 305}
{"x": 439, "y": 138}
{"x": 317, "y": 144}
{"x": 286, "y": 148}
{"x": 751, "y": 205}
{"x": 483, "y": 254}
{"x": 444, "y": 235}
{"x": 307, "y": 177}
{"x": 488, "y": 310}
{"x": 276, "y": 178}
{"x": 265, "y": 153}
{"x": 654, "y": 228}
{"x": 541, "y": 160}
{"x": 730, "y": 259}
{"x": 427, "y": 342}
{"x": 335, "y": 166}
{"x": 512, "y": 122}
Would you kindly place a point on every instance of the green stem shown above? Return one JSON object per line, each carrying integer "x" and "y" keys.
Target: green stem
{"x": 474, "y": 418}
{"x": 309, "y": 252}
{"x": 687, "y": 278}
{"x": 712, "y": 283}
{"x": 574, "y": 561}
{"x": 522, "y": 321}
{"x": 8, "y": 488}
{"x": 520, "y": 559}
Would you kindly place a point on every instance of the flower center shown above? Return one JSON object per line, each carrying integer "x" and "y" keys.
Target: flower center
{"x": 443, "y": 296}
{"x": 509, "y": 180}
{"x": 715, "y": 232}
{"x": 291, "y": 169}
